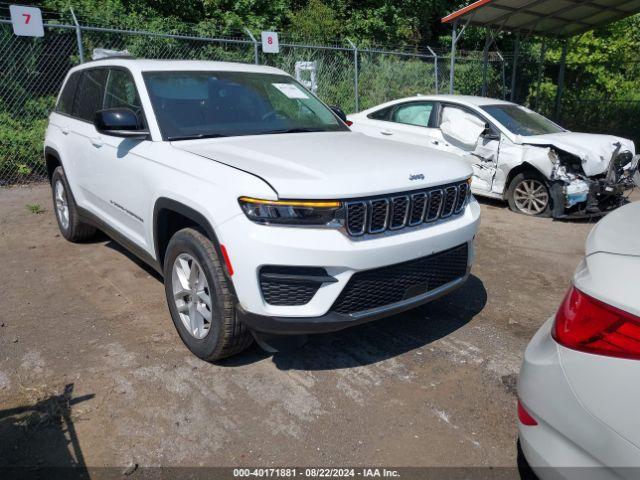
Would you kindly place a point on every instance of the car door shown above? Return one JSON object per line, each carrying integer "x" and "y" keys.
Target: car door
{"x": 118, "y": 178}
{"x": 466, "y": 133}
{"x": 407, "y": 122}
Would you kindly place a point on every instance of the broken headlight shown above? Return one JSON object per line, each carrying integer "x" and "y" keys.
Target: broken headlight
{"x": 293, "y": 212}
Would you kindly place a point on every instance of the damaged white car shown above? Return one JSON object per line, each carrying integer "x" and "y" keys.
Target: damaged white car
{"x": 516, "y": 154}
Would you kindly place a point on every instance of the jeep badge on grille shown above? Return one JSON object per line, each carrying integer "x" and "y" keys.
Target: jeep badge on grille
{"x": 417, "y": 176}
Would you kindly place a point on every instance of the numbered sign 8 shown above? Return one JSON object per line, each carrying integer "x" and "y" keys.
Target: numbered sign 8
{"x": 270, "y": 42}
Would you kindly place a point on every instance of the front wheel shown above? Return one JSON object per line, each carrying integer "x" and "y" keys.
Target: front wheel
{"x": 529, "y": 194}
{"x": 200, "y": 301}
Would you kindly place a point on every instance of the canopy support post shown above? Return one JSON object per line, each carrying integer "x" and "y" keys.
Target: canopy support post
{"x": 543, "y": 52}
{"x": 514, "y": 75}
{"x": 559, "y": 92}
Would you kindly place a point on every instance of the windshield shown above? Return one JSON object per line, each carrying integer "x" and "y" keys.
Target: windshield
{"x": 219, "y": 104}
{"x": 521, "y": 120}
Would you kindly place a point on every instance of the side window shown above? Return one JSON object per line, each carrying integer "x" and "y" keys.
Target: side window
{"x": 89, "y": 94}
{"x": 417, "y": 114}
{"x": 461, "y": 127}
{"x": 65, "y": 102}
{"x": 121, "y": 92}
{"x": 382, "y": 114}
{"x": 460, "y": 112}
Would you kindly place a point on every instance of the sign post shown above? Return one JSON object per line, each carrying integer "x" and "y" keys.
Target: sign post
{"x": 270, "y": 42}
{"x": 26, "y": 21}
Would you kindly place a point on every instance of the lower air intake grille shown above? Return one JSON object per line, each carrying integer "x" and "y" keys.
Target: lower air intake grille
{"x": 388, "y": 285}
{"x": 279, "y": 290}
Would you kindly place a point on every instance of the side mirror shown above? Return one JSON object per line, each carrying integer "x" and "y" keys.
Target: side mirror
{"x": 339, "y": 112}
{"x": 119, "y": 122}
{"x": 489, "y": 133}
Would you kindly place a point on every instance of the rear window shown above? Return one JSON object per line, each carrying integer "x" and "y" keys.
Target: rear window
{"x": 65, "y": 102}
{"x": 90, "y": 94}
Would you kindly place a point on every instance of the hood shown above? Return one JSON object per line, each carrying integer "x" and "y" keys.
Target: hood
{"x": 618, "y": 232}
{"x": 332, "y": 164}
{"x": 594, "y": 150}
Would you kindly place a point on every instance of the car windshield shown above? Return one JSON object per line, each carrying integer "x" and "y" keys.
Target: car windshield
{"x": 521, "y": 120}
{"x": 208, "y": 104}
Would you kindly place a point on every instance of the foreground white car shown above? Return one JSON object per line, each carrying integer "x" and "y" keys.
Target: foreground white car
{"x": 516, "y": 154}
{"x": 579, "y": 385}
{"x": 262, "y": 210}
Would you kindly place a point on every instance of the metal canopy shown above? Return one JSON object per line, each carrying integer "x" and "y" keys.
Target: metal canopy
{"x": 554, "y": 18}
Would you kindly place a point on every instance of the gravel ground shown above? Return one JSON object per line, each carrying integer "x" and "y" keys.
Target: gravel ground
{"x": 93, "y": 372}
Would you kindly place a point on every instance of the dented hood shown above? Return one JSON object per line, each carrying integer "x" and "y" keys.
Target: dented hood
{"x": 332, "y": 164}
{"x": 618, "y": 232}
{"x": 594, "y": 150}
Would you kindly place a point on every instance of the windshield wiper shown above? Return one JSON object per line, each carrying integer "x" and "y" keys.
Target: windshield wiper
{"x": 294, "y": 130}
{"x": 196, "y": 136}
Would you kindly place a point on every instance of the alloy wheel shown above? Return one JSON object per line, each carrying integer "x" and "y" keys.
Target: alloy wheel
{"x": 191, "y": 295}
{"x": 531, "y": 197}
{"x": 62, "y": 205}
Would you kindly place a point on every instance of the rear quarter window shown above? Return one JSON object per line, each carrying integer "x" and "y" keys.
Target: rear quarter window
{"x": 65, "y": 102}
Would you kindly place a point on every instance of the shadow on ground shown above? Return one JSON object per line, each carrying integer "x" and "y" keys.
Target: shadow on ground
{"x": 40, "y": 441}
{"x": 377, "y": 341}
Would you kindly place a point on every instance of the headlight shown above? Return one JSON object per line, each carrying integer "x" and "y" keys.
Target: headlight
{"x": 293, "y": 212}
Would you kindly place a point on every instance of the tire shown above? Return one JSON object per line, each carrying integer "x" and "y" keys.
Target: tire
{"x": 526, "y": 192}
{"x": 70, "y": 225}
{"x": 194, "y": 295}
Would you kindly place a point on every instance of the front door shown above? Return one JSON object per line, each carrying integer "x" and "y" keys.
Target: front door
{"x": 118, "y": 179}
{"x": 467, "y": 134}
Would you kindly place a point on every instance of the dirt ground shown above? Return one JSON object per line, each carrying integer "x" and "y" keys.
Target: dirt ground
{"x": 92, "y": 371}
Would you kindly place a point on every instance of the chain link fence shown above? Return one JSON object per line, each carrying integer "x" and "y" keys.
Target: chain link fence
{"x": 32, "y": 71}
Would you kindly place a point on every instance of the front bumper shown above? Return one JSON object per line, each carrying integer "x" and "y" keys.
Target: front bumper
{"x": 252, "y": 246}
{"x": 601, "y": 198}
{"x": 333, "y": 321}
{"x": 568, "y": 442}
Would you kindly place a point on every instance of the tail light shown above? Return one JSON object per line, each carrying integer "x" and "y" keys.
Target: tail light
{"x": 589, "y": 325}
{"x": 524, "y": 416}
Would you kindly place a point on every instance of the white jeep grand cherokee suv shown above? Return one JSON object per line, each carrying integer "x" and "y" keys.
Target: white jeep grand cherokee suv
{"x": 264, "y": 213}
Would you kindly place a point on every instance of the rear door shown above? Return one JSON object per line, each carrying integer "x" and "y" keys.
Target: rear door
{"x": 82, "y": 137}
{"x": 407, "y": 122}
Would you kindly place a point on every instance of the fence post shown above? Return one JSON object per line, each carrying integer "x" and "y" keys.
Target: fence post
{"x": 355, "y": 75}
{"x": 435, "y": 65}
{"x": 256, "y": 54}
{"x": 78, "y": 36}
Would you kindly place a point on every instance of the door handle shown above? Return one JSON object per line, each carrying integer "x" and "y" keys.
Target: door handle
{"x": 96, "y": 141}
{"x": 65, "y": 130}
{"x": 435, "y": 142}
{"x": 386, "y": 132}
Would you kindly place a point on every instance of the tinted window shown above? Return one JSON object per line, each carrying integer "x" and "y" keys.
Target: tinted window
{"x": 382, "y": 114}
{"x": 521, "y": 120}
{"x": 210, "y": 104}
{"x": 413, "y": 114}
{"x": 90, "y": 93}
{"x": 65, "y": 102}
{"x": 121, "y": 92}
